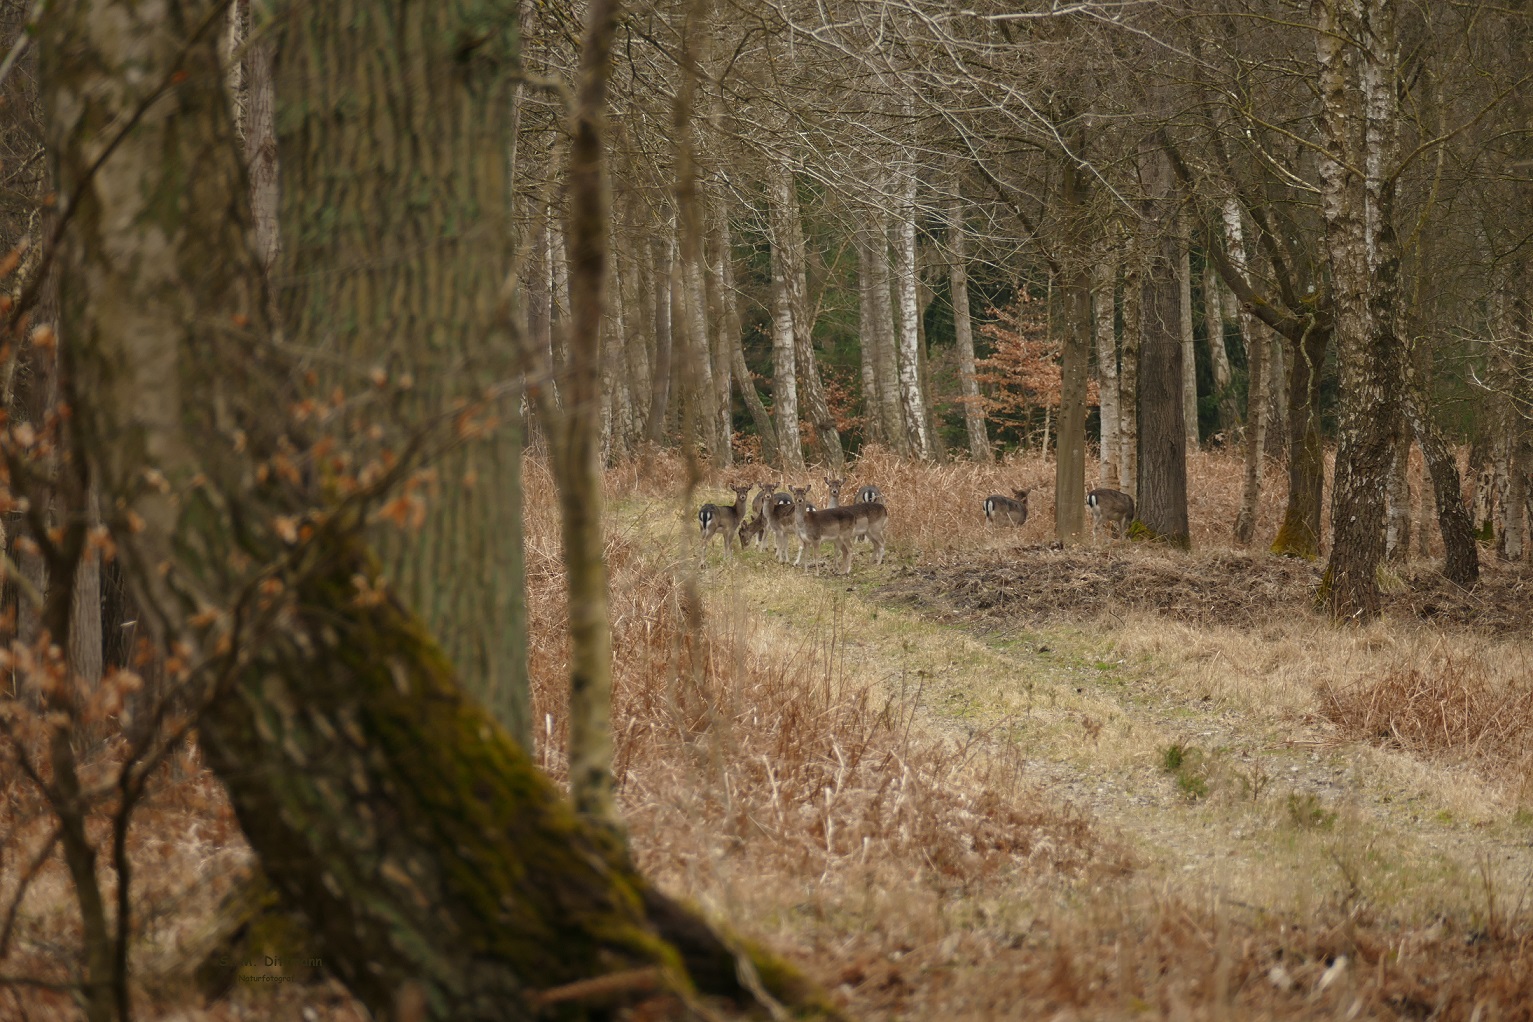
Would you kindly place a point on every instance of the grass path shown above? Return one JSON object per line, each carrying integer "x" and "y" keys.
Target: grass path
{"x": 1231, "y": 796}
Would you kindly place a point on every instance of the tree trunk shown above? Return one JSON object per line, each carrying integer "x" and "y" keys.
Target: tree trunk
{"x": 1299, "y": 534}
{"x": 1219, "y": 358}
{"x": 422, "y": 845}
{"x": 1162, "y": 491}
{"x": 1128, "y": 375}
{"x": 906, "y": 283}
{"x": 577, "y": 468}
{"x": 631, "y": 277}
{"x": 660, "y": 379}
{"x": 1360, "y": 122}
{"x": 788, "y": 248}
{"x": 1075, "y": 356}
{"x": 336, "y": 144}
{"x": 784, "y": 350}
{"x": 867, "y": 342}
{"x": 731, "y": 335}
{"x": 1189, "y": 347}
{"x": 1277, "y": 398}
{"x": 1104, "y": 283}
{"x": 698, "y": 375}
{"x": 963, "y": 332}
{"x": 1256, "y": 344}
{"x": 1397, "y": 515}
{"x": 880, "y": 278}
{"x": 1461, "y": 555}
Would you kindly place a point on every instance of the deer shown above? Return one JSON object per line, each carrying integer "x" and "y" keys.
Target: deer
{"x": 834, "y": 486}
{"x": 1007, "y": 510}
{"x": 755, "y": 529}
{"x": 840, "y": 524}
{"x": 1116, "y": 508}
{"x": 869, "y": 494}
{"x": 725, "y": 519}
{"x": 779, "y": 518}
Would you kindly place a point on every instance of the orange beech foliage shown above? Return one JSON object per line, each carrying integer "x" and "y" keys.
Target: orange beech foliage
{"x": 1022, "y": 373}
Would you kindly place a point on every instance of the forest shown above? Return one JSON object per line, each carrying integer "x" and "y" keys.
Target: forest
{"x": 424, "y": 424}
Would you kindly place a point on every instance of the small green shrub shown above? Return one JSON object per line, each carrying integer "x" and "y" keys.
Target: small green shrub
{"x": 1306, "y": 811}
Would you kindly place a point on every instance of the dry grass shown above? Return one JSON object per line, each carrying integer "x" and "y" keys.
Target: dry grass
{"x": 1450, "y": 706}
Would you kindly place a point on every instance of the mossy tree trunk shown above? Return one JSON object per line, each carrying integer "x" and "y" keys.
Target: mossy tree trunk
{"x": 421, "y": 843}
{"x": 394, "y": 153}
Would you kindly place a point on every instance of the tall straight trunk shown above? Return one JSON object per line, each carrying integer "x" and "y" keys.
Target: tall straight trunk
{"x": 1255, "y": 338}
{"x": 879, "y": 280}
{"x": 1162, "y": 491}
{"x": 1104, "y": 284}
{"x": 559, "y": 295}
{"x": 1513, "y": 545}
{"x": 698, "y": 378}
{"x": 577, "y": 468}
{"x": 905, "y": 274}
{"x": 660, "y": 378}
{"x": 337, "y": 147}
{"x": 788, "y": 250}
{"x": 939, "y": 445}
{"x": 963, "y": 332}
{"x": 1075, "y": 357}
{"x": 1360, "y": 120}
{"x": 539, "y": 292}
{"x": 784, "y": 353}
{"x": 1278, "y": 372}
{"x": 719, "y": 349}
{"x": 696, "y": 372}
{"x": 1299, "y": 533}
{"x": 1189, "y": 347}
{"x": 867, "y": 345}
{"x": 1128, "y": 376}
{"x": 1218, "y": 356}
{"x": 1070, "y": 467}
{"x": 617, "y": 414}
{"x": 628, "y": 290}
{"x": 732, "y": 338}
{"x": 770, "y": 450}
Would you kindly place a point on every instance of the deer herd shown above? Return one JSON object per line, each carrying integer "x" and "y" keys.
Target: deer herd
{"x": 785, "y": 514}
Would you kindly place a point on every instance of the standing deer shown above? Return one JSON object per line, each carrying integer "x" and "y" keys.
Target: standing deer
{"x": 725, "y": 519}
{"x": 779, "y": 518}
{"x": 839, "y": 524}
{"x": 1111, "y": 506}
{"x": 755, "y": 529}
{"x": 1006, "y": 510}
{"x": 834, "y": 486}
{"x": 870, "y": 494}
